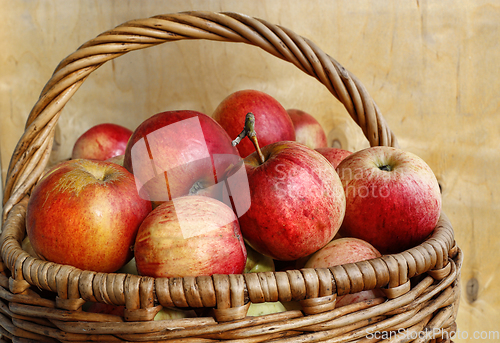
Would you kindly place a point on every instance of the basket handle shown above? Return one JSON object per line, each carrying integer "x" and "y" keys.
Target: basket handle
{"x": 32, "y": 152}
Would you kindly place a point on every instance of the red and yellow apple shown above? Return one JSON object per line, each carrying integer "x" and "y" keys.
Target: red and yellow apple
{"x": 393, "y": 199}
{"x": 101, "y": 142}
{"x": 334, "y": 155}
{"x": 297, "y": 201}
{"x": 272, "y": 122}
{"x": 177, "y": 153}
{"x": 343, "y": 251}
{"x": 308, "y": 130}
{"x": 190, "y": 236}
{"x": 85, "y": 213}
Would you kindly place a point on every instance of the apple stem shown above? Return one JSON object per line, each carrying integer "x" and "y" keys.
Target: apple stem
{"x": 249, "y": 131}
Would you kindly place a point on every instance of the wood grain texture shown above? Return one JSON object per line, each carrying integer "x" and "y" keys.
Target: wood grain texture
{"x": 432, "y": 68}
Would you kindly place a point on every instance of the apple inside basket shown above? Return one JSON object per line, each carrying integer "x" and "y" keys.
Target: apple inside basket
{"x": 201, "y": 200}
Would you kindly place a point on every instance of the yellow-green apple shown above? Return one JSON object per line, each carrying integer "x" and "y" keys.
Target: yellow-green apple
{"x": 343, "y": 251}
{"x": 392, "y": 198}
{"x": 334, "y": 155}
{"x": 169, "y": 313}
{"x": 297, "y": 201}
{"x": 190, "y": 236}
{"x": 273, "y": 123}
{"x": 129, "y": 268}
{"x": 261, "y": 309}
{"x": 308, "y": 130}
{"x": 101, "y": 142}
{"x": 166, "y": 313}
{"x": 118, "y": 159}
{"x": 85, "y": 213}
{"x": 26, "y": 245}
{"x": 177, "y": 153}
{"x": 256, "y": 262}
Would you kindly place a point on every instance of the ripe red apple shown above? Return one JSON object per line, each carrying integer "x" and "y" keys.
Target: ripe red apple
{"x": 334, "y": 155}
{"x": 393, "y": 199}
{"x": 273, "y": 123}
{"x": 297, "y": 201}
{"x": 190, "y": 236}
{"x": 85, "y": 213}
{"x": 129, "y": 268}
{"x": 308, "y": 130}
{"x": 343, "y": 251}
{"x": 101, "y": 142}
{"x": 177, "y": 153}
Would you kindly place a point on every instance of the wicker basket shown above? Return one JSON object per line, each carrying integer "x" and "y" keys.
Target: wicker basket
{"x": 42, "y": 301}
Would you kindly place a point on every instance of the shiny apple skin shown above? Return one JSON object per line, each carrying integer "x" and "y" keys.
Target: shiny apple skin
{"x": 308, "y": 130}
{"x": 392, "y": 210}
{"x": 272, "y": 122}
{"x": 191, "y": 148}
{"x": 101, "y": 142}
{"x": 343, "y": 251}
{"x": 334, "y": 155}
{"x": 297, "y": 201}
{"x": 190, "y": 236}
{"x": 85, "y": 213}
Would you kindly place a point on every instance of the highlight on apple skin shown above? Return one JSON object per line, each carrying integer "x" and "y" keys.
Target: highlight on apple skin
{"x": 343, "y": 251}
{"x": 101, "y": 142}
{"x": 272, "y": 122}
{"x": 178, "y": 153}
{"x": 190, "y": 236}
{"x": 297, "y": 201}
{"x": 85, "y": 213}
{"x": 393, "y": 200}
{"x": 308, "y": 130}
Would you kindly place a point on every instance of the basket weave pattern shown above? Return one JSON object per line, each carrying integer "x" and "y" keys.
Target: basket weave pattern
{"x": 41, "y": 301}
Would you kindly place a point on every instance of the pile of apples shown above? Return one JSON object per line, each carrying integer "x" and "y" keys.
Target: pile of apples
{"x": 187, "y": 194}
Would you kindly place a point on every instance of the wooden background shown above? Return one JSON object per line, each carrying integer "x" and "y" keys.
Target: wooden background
{"x": 432, "y": 67}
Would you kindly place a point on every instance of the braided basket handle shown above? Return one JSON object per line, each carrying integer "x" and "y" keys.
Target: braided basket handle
{"x": 32, "y": 152}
